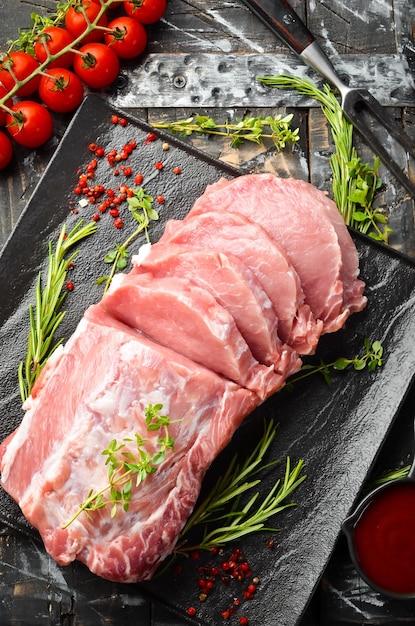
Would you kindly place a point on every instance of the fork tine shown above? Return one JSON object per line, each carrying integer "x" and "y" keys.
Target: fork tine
{"x": 354, "y": 101}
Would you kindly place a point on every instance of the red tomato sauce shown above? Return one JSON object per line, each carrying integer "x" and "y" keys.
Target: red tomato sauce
{"x": 385, "y": 539}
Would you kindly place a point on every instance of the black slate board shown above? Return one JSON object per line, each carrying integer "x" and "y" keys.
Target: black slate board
{"x": 337, "y": 430}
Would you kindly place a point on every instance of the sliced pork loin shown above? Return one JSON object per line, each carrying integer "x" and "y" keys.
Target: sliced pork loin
{"x": 113, "y": 374}
{"x": 200, "y": 327}
{"x": 237, "y": 235}
{"x": 307, "y": 224}
{"x": 178, "y": 314}
{"x": 235, "y": 287}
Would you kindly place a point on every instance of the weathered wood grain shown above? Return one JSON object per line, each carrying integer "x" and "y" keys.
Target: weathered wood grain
{"x": 214, "y": 80}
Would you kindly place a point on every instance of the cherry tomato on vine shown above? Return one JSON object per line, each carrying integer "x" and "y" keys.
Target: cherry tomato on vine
{"x": 6, "y": 150}
{"x": 146, "y": 11}
{"x": 22, "y": 64}
{"x": 61, "y": 90}
{"x": 97, "y": 65}
{"x": 128, "y": 38}
{"x": 54, "y": 39}
{"x": 31, "y": 125}
{"x": 8, "y": 103}
{"x": 76, "y": 24}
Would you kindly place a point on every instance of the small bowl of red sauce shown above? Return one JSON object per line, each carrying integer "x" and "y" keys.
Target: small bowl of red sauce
{"x": 381, "y": 538}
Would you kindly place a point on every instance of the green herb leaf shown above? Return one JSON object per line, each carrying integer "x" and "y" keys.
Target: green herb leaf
{"x": 354, "y": 183}
{"x": 46, "y": 315}
{"x": 124, "y": 463}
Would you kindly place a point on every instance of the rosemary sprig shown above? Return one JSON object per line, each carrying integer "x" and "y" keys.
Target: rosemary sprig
{"x": 387, "y": 477}
{"x": 140, "y": 205}
{"x": 47, "y": 314}
{"x": 354, "y": 183}
{"x": 223, "y": 504}
{"x": 370, "y": 359}
{"x": 254, "y": 129}
{"x": 126, "y": 468}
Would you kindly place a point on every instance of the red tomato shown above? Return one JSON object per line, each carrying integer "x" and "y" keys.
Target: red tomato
{"x": 97, "y": 65}
{"x": 76, "y": 24}
{"x": 61, "y": 90}
{"x": 128, "y": 38}
{"x": 146, "y": 11}
{"x": 6, "y": 150}
{"x": 54, "y": 39}
{"x": 22, "y": 65}
{"x": 8, "y": 103}
{"x": 31, "y": 125}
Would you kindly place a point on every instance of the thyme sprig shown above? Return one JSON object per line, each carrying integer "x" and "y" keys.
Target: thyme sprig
{"x": 128, "y": 469}
{"x": 47, "y": 314}
{"x": 254, "y": 129}
{"x": 140, "y": 205}
{"x": 370, "y": 359}
{"x": 354, "y": 183}
{"x": 224, "y": 517}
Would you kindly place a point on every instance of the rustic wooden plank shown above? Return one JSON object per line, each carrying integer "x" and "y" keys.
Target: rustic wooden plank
{"x": 214, "y": 80}
{"x": 353, "y": 27}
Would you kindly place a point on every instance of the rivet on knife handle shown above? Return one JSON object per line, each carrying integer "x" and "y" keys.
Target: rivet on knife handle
{"x": 284, "y": 21}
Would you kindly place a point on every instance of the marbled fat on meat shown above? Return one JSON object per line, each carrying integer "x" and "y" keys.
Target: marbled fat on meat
{"x": 110, "y": 388}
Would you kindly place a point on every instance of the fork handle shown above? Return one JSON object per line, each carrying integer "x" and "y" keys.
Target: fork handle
{"x": 284, "y": 21}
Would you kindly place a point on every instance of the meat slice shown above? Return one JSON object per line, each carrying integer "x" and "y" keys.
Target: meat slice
{"x": 308, "y": 226}
{"x": 235, "y": 234}
{"x": 178, "y": 314}
{"x": 235, "y": 287}
{"x": 85, "y": 398}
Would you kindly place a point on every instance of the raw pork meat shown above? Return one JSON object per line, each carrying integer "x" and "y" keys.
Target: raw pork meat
{"x": 237, "y": 235}
{"x": 180, "y": 315}
{"x": 235, "y": 287}
{"x": 110, "y": 387}
{"x": 307, "y": 224}
{"x": 200, "y": 327}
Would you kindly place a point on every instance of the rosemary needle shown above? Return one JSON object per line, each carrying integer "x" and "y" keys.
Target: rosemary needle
{"x": 223, "y": 503}
{"x": 46, "y": 316}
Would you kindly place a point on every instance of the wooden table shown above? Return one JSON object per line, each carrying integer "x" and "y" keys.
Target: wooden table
{"x": 203, "y": 57}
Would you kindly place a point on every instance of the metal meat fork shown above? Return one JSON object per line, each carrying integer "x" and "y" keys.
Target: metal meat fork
{"x": 280, "y": 17}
